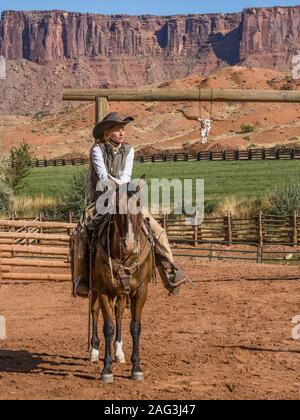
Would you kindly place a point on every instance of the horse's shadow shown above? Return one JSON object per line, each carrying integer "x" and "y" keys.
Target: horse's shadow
{"x": 22, "y": 361}
{"x": 252, "y": 348}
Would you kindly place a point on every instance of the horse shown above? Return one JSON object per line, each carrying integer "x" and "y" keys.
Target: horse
{"x": 123, "y": 266}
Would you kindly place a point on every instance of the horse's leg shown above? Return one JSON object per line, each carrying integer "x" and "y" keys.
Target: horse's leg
{"x": 95, "y": 343}
{"x": 120, "y": 308}
{"x": 137, "y": 305}
{"x": 108, "y": 330}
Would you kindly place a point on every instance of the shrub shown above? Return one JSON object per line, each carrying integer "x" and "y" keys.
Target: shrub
{"x": 41, "y": 114}
{"x": 75, "y": 197}
{"x": 247, "y": 128}
{"x": 6, "y": 195}
{"x": 285, "y": 198}
{"x": 6, "y": 198}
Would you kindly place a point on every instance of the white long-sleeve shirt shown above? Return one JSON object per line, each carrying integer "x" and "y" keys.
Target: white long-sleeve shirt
{"x": 100, "y": 168}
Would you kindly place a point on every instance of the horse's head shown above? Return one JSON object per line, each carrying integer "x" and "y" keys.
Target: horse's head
{"x": 129, "y": 223}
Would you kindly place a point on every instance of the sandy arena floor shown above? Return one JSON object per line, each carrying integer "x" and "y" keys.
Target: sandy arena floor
{"x": 226, "y": 337}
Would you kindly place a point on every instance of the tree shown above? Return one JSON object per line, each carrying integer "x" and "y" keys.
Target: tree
{"x": 18, "y": 173}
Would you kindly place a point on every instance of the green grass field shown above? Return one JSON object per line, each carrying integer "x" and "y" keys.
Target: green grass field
{"x": 241, "y": 179}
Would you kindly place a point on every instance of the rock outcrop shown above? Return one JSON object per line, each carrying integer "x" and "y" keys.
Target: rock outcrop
{"x": 49, "y": 36}
{"x": 270, "y": 37}
{"x": 262, "y": 36}
{"x": 63, "y": 49}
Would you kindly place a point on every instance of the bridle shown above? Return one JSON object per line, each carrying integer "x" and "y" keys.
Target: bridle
{"x": 119, "y": 267}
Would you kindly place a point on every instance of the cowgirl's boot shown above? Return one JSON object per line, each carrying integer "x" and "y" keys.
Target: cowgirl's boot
{"x": 172, "y": 276}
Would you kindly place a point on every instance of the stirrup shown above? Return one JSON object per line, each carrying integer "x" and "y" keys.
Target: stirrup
{"x": 177, "y": 279}
{"x": 81, "y": 289}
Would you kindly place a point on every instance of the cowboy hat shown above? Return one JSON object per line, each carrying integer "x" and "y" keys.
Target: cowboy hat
{"x": 112, "y": 119}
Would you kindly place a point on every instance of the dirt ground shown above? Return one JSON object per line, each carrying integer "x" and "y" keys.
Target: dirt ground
{"x": 226, "y": 337}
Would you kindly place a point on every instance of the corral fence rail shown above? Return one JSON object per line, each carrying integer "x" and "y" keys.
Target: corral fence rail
{"x": 275, "y": 153}
{"x": 43, "y": 246}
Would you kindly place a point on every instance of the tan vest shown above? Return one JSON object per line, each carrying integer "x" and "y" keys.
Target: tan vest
{"x": 114, "y": 163}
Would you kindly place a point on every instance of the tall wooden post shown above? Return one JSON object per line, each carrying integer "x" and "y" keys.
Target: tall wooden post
{"x": 295, "y": 228}
{"x": 261, "y": 236}
{"x": 260, "y": 228}
{"x": 228, "y": 228}
{"x": 101, "y": 108}
{"x": 229, "y": 217}
{"x": 196, "y": 235}
{"x": 165, "y": 221}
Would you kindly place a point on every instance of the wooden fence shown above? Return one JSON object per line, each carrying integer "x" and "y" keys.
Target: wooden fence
{"x": 223, "y": 155}
{"x": 39, "y": 250}
{"x": 44, "y": 247}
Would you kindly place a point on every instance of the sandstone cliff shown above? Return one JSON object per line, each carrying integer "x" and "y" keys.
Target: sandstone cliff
{"x": 49, "y": 36}
{"x": 270, "y": 37}
{"x": 50, "y": 50}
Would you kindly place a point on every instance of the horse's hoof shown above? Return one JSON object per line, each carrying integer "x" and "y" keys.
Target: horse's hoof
{"x": 95, "y": 356}
{"x": 120, "y": 359}
{"x": 137, "y": 376}
{"x": 107, "y": 378}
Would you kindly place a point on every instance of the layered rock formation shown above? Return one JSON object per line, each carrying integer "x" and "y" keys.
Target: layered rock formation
{"x": 49, "y": 36}
{"x": 262, "y": 36}
{"x": 50, "y": 50}
{"x": 270, "y": 37}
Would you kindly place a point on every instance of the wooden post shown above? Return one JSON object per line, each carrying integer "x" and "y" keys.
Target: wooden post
{"x": 260, "y": 251}
{"x": 258, "y": 254}
{"x": 229, "y": 218}
{"x": 101, "y": 108}
{"x": 40, "y": 219}
{"x": 292, "y": 153}
{"x": 295, "y": 230}
{"x": 196, "y": 235}
{"x": 211, "y": 252}
{"x": 165, "y": 223}
{"x": 260, "y": 229}
{"x": 228, "y": 228}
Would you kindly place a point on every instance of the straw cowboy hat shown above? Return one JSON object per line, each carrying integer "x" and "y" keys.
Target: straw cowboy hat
{"x": 112, "y": 119}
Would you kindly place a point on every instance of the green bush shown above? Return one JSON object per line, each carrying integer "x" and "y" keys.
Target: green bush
{"x": 18, "y": 173}
{"x": 285, "y": 198}
{"x": 6, "y": 196}
{"x": 41, "y": 114}
{"x": 75, "y": 197}
{"x": 247, "y": 128}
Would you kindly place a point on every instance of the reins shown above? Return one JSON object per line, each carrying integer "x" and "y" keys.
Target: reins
{"x": 118, "y": 268}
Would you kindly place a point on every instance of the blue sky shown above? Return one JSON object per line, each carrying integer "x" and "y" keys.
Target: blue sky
{"x": 154, "y": 7}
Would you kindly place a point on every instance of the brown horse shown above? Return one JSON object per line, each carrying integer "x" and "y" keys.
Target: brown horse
{"x": 123, "y": 268}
